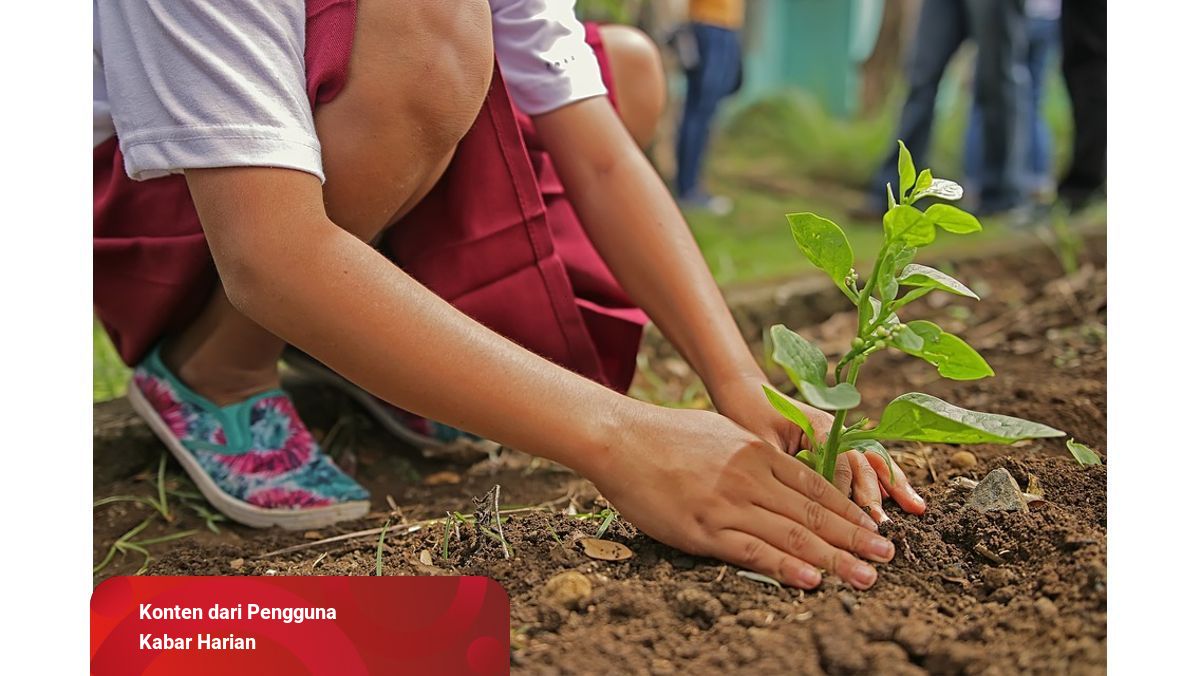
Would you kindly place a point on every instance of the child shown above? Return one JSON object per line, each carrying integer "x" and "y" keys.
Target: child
{"x": 301, "y": 134}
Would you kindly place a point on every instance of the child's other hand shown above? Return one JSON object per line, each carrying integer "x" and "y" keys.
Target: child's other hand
{"x": 700, "y": 482}
{"x": 864, "y": 477}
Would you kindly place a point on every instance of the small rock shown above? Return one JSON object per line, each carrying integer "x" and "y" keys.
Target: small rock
{"x": 426, "y": 558}
{"x": 237, "y": 564}
{"x": 312, "y": 535}
{"x": 963, "y": 460}
{"x": 698, "y": 604}
{"x": 998, "y": 492}
{"x": 1045, "y": 607}
{"x": 755, "y": 618}
{"x": 570, "y": 590}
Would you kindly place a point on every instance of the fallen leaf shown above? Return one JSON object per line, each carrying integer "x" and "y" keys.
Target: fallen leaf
{"x": 426, "y": 558}
{"x": 442, "y": 478}
{"x": 605, "y": 550}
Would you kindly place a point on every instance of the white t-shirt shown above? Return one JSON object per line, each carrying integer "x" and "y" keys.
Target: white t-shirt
{"x": 188, "y": 84}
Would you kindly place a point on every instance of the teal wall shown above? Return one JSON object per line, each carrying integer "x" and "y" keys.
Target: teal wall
{"x": 811, "y": 45}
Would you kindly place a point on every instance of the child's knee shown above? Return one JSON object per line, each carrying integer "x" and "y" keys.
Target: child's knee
{"x": 419, "y": 72}
{"x": 638, "y": 79}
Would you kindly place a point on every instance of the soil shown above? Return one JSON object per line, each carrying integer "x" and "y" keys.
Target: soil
{"x": 967, "y": 593}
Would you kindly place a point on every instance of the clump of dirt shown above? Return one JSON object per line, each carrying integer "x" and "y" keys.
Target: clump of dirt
{"x": 968, "y": 592}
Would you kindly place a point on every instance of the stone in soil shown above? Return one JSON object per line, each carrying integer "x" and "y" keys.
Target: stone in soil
{"x": 998, "y": 492}
{"x": 570, "y": 591}
{"x": 963, "y": 460}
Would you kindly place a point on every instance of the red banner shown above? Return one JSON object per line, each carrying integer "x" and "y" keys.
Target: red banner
{"x": 290, "y": 625}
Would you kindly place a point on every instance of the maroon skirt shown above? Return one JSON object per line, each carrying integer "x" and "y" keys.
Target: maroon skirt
{"x": 496, "y": 236}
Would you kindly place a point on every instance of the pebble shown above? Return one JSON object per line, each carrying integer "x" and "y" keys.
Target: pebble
{"x": 998, "y": 492}
{"x": 963, "y": 460}
{"x": 570, "y": 590}
{"x": 237, "y": 564}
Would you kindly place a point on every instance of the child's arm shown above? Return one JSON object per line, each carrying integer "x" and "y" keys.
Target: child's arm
{"x": 689, "y": 478}
{"x": 635, "y": 225}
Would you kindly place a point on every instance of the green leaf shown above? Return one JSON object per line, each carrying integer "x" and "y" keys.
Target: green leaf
{"x": 927, "y": 277}
{"x": 788, "y": 409}
{"x": 924, "y": 180}
{"x": 839, "y": 397}
{"x": 904, "y": 256}
{"x": 953, "y": 219}
{"x": 823, "y": 243}
{"x": 941, "y": 189}
{"x": 952, "y": 356}
{"x": 907, "y": 340}
{"x": 806, "y": 456}
{"x": 1083, "y": 454}
{"x": 908, "y": 226}
{"x": 908, "y": 173}
{"x": 921, "y": 417}
{"x": 802, "y": 360}
{"x": 891, "y": 197}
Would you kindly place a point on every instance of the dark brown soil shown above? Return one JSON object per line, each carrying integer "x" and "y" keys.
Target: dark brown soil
{"x": 967, "y": 593}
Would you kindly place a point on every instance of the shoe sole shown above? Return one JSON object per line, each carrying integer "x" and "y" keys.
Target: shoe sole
{"x": 382, "y": 414}
{"x": 239, "y": 510}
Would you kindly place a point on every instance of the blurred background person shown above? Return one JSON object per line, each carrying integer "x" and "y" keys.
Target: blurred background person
{"x": 1036, "y": 169}
{"x": 709, "y": 50}
{"x": 1085, "y": 69}
{"x": 998, "y": 28}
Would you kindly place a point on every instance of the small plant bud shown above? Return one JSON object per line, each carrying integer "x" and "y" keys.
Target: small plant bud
{"x": 858, "y": 343}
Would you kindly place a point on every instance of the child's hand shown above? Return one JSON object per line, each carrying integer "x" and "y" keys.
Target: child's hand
{"x": 862, "y": 476}
{"x": 700, "y": 482}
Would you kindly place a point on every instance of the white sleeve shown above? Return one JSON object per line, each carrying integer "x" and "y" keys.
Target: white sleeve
{"x": 543, "y": 55}
{"x": 195, "y": 84}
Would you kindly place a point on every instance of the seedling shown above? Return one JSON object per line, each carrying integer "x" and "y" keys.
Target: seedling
{"x": 909, "y": 417}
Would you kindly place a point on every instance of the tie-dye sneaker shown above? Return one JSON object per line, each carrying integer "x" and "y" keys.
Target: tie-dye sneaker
{"x": 432, "y": 438}
{"x": 255, "y": 460}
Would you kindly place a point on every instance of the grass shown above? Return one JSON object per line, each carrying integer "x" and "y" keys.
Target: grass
{"x": 126, "y": 543}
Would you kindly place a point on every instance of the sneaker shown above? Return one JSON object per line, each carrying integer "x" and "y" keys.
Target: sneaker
{"x": 255, "y": 460}
{"x": 432, "y": 438}
{"x": 717, "y": 205}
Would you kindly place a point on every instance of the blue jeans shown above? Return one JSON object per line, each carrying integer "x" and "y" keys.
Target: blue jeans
{"x": 998, "y": 29}
{"x": 714, "y": 77}
{"x": 1036, "y": 174}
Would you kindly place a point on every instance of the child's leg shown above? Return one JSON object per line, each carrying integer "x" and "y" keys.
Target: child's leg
{"x": 419, "y": 71}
